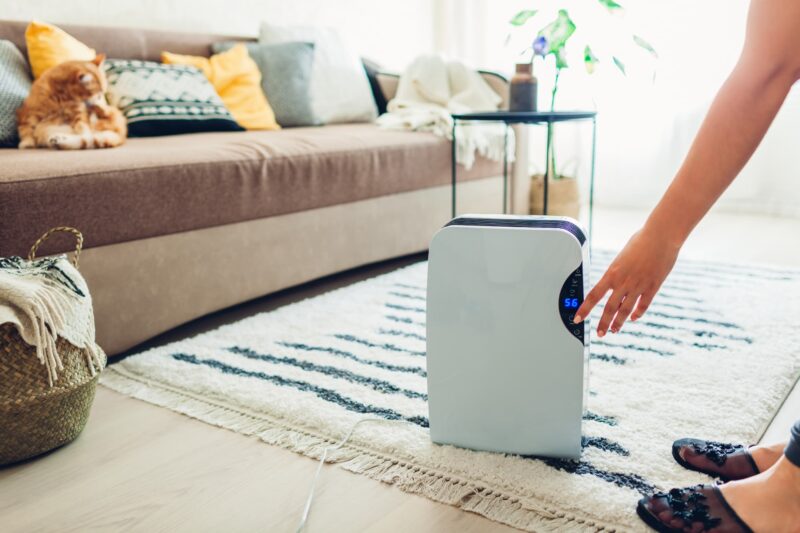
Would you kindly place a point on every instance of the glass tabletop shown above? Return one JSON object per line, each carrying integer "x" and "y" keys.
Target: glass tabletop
{"x": 527, "y": 117}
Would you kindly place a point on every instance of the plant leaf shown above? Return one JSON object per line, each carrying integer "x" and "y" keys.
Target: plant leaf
{"x": 620, "y": 65}
{"x": 610, "y": 4}
{"x": 558, "y": 33}
{"x": 522, "y": 17}
{"x": 589, "y": 59}
{"x": 561, "y": 59}
{"x": 644, "y": 44}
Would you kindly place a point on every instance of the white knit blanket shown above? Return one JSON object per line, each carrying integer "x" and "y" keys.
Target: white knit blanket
{"x": 714, "y": 357}
{"x": 46, "y": 299}
{"x": 430, "y": 89}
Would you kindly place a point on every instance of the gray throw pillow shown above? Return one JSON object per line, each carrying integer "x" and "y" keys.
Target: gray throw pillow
{"x": 15, "y": 84}
{"x": 285, "y": 77}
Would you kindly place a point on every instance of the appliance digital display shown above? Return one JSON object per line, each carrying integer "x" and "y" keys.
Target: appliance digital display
{"x": 569, "y": 300}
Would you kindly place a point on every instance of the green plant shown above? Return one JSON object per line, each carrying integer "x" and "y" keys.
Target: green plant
{"x": 552, "y": 40}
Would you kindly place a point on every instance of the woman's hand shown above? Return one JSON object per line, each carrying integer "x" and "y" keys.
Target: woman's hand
{"x": 633, "y": 278}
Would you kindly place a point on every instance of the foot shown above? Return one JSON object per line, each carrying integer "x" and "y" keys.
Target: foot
{"x": 700, "y": 509}
{"x": 726, "y": 461}
{"x": 769, "y": 501}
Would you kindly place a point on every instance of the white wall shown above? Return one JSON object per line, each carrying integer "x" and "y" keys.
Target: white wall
{"x": 391, "y": 32}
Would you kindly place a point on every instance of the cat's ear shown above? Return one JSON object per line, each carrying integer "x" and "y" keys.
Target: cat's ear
{"x": 98, "y": 59}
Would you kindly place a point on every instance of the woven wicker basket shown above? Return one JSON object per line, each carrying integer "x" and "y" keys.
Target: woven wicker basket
{"x": 34, "y": 416}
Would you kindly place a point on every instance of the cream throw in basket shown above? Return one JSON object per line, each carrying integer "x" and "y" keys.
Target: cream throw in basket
{"x": 49, "y": 361}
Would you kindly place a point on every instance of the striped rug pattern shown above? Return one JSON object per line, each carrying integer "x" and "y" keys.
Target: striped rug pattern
{"x": 714, "y": 357}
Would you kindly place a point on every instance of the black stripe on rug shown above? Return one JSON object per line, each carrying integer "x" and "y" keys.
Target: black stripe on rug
{"x": 603, "y": 419}
{"x": 332, "y": 371}
{"x": 347, "y": 355}
{"x": 698, "y": 320}
{"x": 365, "y": 342}
{"x": 602, "y": 443}
{"x": 607, "y": 358}
{"x": 321, "y": 392}
{"x": 582, "y": 468}
{"x": 404, "y": 320}
{"x": 398, "y": 333}
{"x": 399, "y": 307}
{"x": 409, "y": 286}
{"x": 634, "y": 347}
{"x": 666, "y": 295}
{"x": 407, "y": 296}
{"x": 693, "y": 331}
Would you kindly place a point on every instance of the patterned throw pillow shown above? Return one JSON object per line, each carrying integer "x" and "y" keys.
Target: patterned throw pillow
{"x": 160, "y": 99}
{"x": 15, "y": 84}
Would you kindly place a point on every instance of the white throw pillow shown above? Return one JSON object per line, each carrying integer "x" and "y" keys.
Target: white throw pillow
{"x": 340, "y": 90}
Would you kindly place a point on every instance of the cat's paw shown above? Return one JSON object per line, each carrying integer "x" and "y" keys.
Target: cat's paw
{"x": 63, "y": 141}
{"x": 26, "y": 143}
{"x": 107, "y": 139}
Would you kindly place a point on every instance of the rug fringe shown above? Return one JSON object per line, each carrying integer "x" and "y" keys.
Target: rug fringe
{"x": 407, "y": 476}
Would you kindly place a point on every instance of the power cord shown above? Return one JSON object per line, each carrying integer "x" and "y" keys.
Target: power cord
{"x": 307, "y": 509}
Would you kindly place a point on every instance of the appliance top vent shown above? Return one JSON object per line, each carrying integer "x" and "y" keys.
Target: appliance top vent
{"x": 510, "y": 221}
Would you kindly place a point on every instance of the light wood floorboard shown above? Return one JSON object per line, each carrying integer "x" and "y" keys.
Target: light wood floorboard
{"x": 141, "y": 468}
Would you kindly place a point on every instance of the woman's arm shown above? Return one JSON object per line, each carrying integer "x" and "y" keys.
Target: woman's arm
{"x": 734, "y": 126}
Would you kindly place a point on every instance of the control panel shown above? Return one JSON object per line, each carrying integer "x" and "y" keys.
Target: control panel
{"x": 569, "y": 300}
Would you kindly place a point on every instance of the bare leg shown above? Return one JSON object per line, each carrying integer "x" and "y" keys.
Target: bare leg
{"x": 767, "y": 455}
{"x": 769, "y": 501}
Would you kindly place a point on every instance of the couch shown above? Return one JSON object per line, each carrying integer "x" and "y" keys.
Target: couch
{"x": 180, "y": 226}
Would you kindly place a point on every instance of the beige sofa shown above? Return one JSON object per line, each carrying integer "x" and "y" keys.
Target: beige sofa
{"x": 180, "y": 226}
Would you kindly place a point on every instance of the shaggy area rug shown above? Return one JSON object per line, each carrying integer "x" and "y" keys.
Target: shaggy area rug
{"x": 715, "y": 356}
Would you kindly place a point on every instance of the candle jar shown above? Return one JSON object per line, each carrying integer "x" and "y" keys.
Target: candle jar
{"x": 524, "y": 87}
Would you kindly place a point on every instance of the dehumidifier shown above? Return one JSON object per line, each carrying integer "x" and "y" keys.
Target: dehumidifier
{"x": 507, "y": 368}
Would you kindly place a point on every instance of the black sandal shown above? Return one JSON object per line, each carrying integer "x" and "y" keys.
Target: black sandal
{"x": 681, "y": 510}
{"x": 725, "y": 461}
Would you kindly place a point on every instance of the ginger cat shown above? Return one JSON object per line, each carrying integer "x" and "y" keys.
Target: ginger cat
{"x": 67, "y": 109}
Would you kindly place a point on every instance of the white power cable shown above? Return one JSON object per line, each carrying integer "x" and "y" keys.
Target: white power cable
{"x": 344, "y": 441}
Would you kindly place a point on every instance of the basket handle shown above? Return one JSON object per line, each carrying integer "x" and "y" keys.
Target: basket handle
{"x": 67, "y": 229}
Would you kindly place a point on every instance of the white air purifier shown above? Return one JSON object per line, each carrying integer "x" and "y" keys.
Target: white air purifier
{"x": 507, "y": 368}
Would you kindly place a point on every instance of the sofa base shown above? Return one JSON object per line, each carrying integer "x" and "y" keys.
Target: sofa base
{"x": 145, "y": 287}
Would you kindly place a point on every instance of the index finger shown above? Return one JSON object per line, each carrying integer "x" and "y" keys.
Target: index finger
{"x": 591, "y": 300}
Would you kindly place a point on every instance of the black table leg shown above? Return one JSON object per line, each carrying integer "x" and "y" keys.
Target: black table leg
{"x": 453, "y": 168}
{"x": 505, "y": 170}
{"x": 547, "y": 165}
{"x": 591, "y": 181}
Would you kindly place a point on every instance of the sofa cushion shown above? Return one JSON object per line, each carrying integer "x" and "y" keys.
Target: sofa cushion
{"x": 157, "y": 186}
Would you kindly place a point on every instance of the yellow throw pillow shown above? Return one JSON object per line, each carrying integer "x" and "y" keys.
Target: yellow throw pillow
{"x": 237, "y": 80}
{"x": 49, "y": 46}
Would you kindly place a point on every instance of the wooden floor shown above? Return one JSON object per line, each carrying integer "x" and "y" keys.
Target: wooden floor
{"x": 137, "y": 467}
